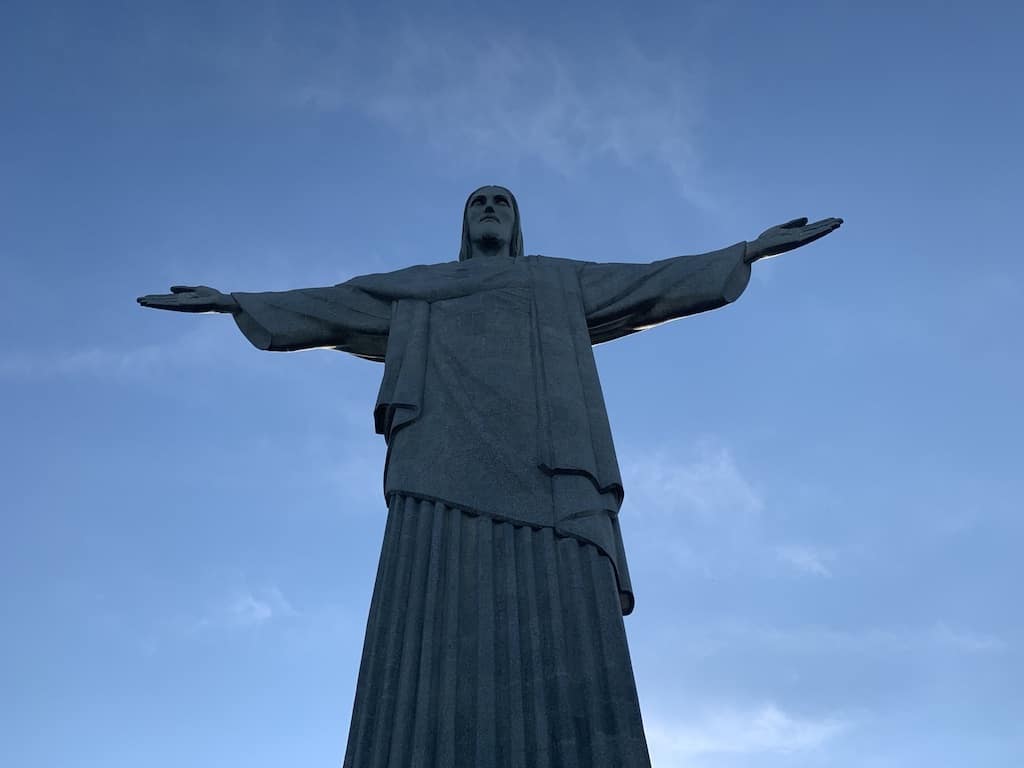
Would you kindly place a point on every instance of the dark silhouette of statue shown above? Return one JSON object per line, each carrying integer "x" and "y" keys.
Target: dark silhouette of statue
{"x": 495, "y": 634}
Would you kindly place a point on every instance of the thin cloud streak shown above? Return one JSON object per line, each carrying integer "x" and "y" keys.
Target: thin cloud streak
{"x": 807, "y": 641}
{"x": 764, "y": 730}
{"x": 204, "y": 343}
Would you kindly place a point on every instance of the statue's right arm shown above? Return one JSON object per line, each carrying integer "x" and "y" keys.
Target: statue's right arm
{"x": 342, "y": 317}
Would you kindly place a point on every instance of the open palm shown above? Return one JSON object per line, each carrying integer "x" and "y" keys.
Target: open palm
{"x": 190, "y": 298}
{"x": 788, "y": 236}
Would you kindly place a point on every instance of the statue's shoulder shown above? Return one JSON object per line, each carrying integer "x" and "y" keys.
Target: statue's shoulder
{"x": 441, "y": 267}
{"x": 554, "y": 262}
{"x": 414, "y": 273}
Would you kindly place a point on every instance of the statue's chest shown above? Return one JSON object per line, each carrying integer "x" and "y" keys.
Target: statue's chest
{"x": 486, "y": 340}
{"x": 478, "y": 426}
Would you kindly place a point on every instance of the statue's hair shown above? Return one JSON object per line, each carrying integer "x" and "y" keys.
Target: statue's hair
{"x": 515, "y": 246}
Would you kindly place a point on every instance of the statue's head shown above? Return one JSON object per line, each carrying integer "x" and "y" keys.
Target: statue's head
{"x": 491, "y": 214}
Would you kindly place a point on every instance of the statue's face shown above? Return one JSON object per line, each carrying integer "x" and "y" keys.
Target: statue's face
{"x": 490, "y": 215}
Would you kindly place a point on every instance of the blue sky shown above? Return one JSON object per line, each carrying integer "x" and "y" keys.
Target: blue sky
{"x": 823, "y": 480}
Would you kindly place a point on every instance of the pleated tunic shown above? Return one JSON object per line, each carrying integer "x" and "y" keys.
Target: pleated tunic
{"x": 492, "y": 644}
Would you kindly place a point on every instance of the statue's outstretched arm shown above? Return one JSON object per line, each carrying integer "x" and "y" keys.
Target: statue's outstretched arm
{"x": 620, "y": 299}
{"x": 342, "y": 317}
{"x": 623, "y": 298}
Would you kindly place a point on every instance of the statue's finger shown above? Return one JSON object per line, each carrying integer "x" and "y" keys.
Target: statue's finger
{"x": 819, "y": 226}
{"x": 810, "y": 237}
{"x": 802, "y": 221}
{"x": 182, "y": 288}
{"x": 825, "y": 225}
{"x": 160, "y": 300}
{"x": 831, "y": 223}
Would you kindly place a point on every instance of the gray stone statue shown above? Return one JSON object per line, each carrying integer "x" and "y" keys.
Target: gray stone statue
{"x": 495, "y": 634}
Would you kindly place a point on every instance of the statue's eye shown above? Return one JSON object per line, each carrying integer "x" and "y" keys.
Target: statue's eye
{"x": 501, "y": 200}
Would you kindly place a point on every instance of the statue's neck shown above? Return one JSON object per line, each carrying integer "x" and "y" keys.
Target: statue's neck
{"x": 487, "y": 248}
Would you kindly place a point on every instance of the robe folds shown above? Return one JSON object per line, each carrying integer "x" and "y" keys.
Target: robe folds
{"x": 490, "y": 400}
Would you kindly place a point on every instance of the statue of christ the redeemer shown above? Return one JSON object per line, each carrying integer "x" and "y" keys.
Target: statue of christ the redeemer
{"x": 495, "y": 635}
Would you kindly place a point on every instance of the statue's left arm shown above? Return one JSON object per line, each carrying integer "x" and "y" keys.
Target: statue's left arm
{"x": 620, "y": 299}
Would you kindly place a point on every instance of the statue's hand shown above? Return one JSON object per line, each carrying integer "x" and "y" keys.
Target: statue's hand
{"x": 786, "y": 237}
{"x": 190, "y": 298}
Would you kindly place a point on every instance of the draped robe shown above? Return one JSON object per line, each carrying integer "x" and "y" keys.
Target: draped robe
{"x": 495, "y": 635}
{"x": 490, "y": 399}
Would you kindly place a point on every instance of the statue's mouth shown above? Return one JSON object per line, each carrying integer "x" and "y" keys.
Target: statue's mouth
{"x": 488, "y": 218}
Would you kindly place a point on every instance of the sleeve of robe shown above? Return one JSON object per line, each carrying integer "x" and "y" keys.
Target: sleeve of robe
{"x": 343, "y": 316}
{"x": 620, "y": 299}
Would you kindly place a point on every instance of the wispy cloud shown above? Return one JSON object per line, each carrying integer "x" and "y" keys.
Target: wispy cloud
{"x": 502, "y": 99}
{"x": 269, "y": 616}
{"x": 706, "y": 485}
{"x": 698, "y": 506}
{"x": 246, "y": 608}
{"x": 250, "y": 609}
{"x": 696, "y": 510}
{"x": 806, "y": 559}
{"x": 763, "y": 730}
